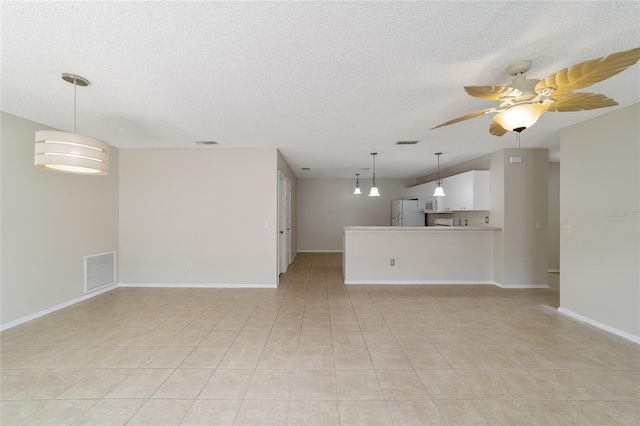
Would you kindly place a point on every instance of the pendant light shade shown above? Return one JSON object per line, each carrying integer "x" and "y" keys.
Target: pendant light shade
{"x": 374, "y": 189}
{"x": 439, "y": 192}
{"x": 357, "y": 190}
{"x": 520, "y": 116}
{"x": 70, "y": 152}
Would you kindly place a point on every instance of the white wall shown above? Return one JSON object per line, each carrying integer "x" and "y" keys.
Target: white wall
{"x": 50, "y": 221}
{"x": 526, "y": 201}
{"x": 325, "y": 206}
{"x": 519, "y": 199}
{"x": 422, "y": 256}
{"x": 600, "y": 202}
{"x": 207, "y": 206}
{"x": 554, "y": 217}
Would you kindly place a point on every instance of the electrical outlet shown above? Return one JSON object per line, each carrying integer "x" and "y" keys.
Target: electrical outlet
{"x": 538, "y": 225}
{"x": 567, "y": 229}
{"x": 393, "y": 262}
{"x": 189, "y": 264}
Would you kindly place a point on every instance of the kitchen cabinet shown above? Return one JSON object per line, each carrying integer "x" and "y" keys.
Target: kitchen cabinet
{"x": 466, "y": 191}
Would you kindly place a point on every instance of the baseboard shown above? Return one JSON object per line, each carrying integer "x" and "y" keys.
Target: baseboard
{"x": 183, "y": 285}
{"x": 57, "y": 307}
{"x": 553, "y": 270}
{"x": 319, "y": 251}
{"x": 623, "y": 334}
{"x": 418, "y": 282}
{"x": 521, "y": 286}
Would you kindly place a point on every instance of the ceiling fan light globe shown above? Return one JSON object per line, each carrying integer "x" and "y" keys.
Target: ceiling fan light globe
{"x": 520, "y": 116}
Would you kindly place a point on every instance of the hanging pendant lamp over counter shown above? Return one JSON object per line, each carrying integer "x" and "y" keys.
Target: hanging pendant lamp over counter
{"x": 374, "y": 189}
{"x": 357, "y": 190}
{"x": 70, "y": 152}
{"x": 439, "y": 192}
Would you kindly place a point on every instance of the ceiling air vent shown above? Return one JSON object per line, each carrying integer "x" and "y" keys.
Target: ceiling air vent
{"x": 207, "y": 142}
{"x": 306, "y": 168}
{"x": 406, "y": 142}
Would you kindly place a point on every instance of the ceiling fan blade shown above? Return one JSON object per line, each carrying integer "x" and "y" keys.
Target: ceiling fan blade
{"x": 580, "y": 102}
{"x": 465, "y": 117}
{"x": 496, "y": 129}
{"x": 590, "y": 72}
{"x": 491, "y": 93}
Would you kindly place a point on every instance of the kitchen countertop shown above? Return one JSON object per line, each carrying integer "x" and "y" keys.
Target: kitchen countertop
{"x": 421, "y": 228}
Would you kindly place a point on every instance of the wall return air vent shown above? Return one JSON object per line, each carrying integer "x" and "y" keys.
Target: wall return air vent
{"x": 99, "y": 271}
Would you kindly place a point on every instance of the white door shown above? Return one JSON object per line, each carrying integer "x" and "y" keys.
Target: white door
{"x": 284, "y": 223}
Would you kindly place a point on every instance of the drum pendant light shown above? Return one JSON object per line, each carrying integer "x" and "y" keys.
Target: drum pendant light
{"x": 70, "y": 152}
{"x": 439, "y": 192}
{"x": 374, "y": 189}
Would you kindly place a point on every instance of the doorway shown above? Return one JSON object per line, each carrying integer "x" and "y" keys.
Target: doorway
{"x": 284, "y": 223}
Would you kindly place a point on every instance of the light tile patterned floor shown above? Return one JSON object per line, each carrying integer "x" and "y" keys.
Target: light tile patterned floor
{"x": 315, "y": 351}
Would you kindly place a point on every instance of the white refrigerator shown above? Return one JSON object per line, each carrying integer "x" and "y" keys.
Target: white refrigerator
{"x": 405, "y": 213}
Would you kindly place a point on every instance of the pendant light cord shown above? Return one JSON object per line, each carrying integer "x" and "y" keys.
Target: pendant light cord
{"x": 75, "y": 106}
{"x": 374, "y": 170}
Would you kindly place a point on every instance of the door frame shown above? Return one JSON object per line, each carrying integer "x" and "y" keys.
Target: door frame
{"x": 284, "y": 223}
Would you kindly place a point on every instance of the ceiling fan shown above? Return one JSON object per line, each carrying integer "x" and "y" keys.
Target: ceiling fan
{"x": 523, "y": 101}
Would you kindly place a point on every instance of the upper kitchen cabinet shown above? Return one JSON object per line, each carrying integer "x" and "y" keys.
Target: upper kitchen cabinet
{"x": 466, "y": 191}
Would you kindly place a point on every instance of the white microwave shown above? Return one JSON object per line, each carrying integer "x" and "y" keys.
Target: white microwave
{"x": 431, "y": 205}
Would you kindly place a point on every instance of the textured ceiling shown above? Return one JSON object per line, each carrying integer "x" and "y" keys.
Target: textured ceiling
{"x": 325, "y": 82}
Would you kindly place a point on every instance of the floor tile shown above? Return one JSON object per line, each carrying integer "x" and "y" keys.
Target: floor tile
{"x": 401, "y": 384}
{"x": 97, "y": 383}
{"x": 142, "y": 383}
{"x": 161, "y": 412}
{"x": 261, "y": 412}
{"x": 415, "y": 412}
{"x": 352, "y": 357}
{"x": 445, "y": 384}
{"x": 313, "y": 413}
{"x": 315, "y": 358}
{"x": 314, "y": 384}
{"x": 358, "y": 384}
{"x": 14, "y": 412}
{"x": 466, "y": 412}
{"x": 60, "y": 412}
{"x": 241, "y": 357}
{"x": 373, "y": 413}
{"x": 488, "y": 384}
{"x": 271, "y": 384}
{"x": 168, "y": 357}
{"x": 204, "y": 357}
{"x": 316, "y": 338}
{"x": 184, "y": 383}
{"x": 227, "y": 384}
{"x": 313, "y": 349}
{"x": 110, "y": 412}
{"x": 389, "y": 358}
{"x": 206, "y": 412}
